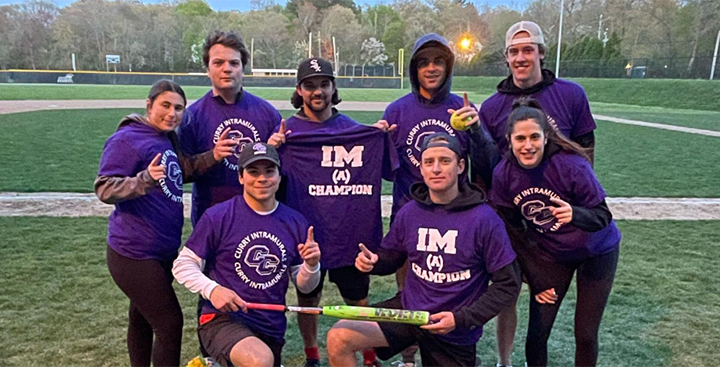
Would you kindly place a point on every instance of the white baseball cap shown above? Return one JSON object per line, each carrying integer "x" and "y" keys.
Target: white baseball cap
{"x": 536, "y": 34}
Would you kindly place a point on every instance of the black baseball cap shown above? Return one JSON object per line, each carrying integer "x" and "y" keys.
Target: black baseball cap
{"x": 442, "y": 140}
{"x": 257, "y": 152}
{"x": 314, "y": 67}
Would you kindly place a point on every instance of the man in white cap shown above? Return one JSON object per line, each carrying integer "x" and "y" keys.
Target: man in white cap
{"x": 568, "y": 111}
{"x": 564, "y": 101}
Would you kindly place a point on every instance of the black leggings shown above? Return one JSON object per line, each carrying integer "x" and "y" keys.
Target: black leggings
{"x": 154, "y": 309}
{"x": 594, "y": 281}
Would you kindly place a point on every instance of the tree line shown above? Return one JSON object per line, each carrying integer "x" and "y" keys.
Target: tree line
{"x": 676, "y": 37}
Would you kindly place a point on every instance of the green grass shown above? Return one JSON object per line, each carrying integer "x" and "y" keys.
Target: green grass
{"x": 59, "y": 306}
{"x": 698, "y": 119}
{"x": 672, "y": 93}
{"x": 60, "y": 151}
{"x": 641, "y": 161}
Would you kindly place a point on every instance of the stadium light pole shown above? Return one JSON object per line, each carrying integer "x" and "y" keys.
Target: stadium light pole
{"x": 712, "y": 70}
{"x": 557, "y": 59}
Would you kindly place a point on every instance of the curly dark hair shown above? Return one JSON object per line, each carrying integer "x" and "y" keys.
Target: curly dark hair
{"x": 228, "y": 39}
{"x": 297, "y": 101}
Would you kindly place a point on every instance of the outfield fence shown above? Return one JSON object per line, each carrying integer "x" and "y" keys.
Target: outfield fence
{"x": 198, "y": 79}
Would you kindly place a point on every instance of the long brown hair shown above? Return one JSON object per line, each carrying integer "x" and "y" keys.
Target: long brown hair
{"x": 526, "y": 108}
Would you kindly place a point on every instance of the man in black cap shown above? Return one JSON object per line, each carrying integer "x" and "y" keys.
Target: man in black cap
{"x": 333, "y": 177}
{"x": 252, "y": 246}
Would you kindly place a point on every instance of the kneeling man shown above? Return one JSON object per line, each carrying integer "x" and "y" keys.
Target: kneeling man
{"x": 456, "y": 246}
{"x": 251, "y": 247}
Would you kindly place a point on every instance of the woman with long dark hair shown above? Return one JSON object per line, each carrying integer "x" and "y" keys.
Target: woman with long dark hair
{"x": 142, "y": 172}
{"x": 555, "y": 208}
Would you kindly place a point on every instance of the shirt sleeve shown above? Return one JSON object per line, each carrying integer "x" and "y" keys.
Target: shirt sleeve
{"x": 583, "y": 121}
{"x": 497, "y": 194}
{"x": 586, "y": 190}
{"x": 204, "y": 239}
{"x": 187, "y": 135}
{"x": 119, "y": 159}
{"x": 496, "y": 249}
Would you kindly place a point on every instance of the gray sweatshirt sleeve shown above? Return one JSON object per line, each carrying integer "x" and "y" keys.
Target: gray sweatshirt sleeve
{"x": 113, "y": 189}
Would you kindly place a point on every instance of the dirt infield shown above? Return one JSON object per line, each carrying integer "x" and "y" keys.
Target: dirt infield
{"x": 87, "y": 205}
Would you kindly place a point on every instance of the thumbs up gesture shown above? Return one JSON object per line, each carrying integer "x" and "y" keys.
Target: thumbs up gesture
{"x": 277, "y": 139}
{"x": 310, "y": 251}
{"x": 155, "y": 169}
{"x": 365, "y": 260}
{"x": 467, "y": 114}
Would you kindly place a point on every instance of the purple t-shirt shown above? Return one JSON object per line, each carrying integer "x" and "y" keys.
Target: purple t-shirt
{"x": 564, "y": 102}
{"x": 333, "y": 173}
{"x": 564, "y": 175}
{"x": 251, "y": 254}
{"x": 149, "y": 226}
{"x": 250, "y": 118}
{"x": 415, "y": 122}
{"x": 451, "y": 255}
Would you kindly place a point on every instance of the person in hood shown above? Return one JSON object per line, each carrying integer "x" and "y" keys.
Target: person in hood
{"x": 462, "y": 267}
{"x": 333, "y": 170}
{"x": 142, "y": 171}
{"x": 426, "y": 110}
{"x": 546, "y": 190}
{"x": 568, "y": 112}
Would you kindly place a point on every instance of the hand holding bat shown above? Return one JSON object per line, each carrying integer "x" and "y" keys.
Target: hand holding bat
{"x": 277, "y": 139}
{"x": 226, "y": 300}
{"x": 440, "y": 323}
{"x": 563, "y": 211}
{"x": 224, "y": 147}
{"x": 310, "y": 251}
{"x": 155, "y": 169}
{"x": 365, "y": 260}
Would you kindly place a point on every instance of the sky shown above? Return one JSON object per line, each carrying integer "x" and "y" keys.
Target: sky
{"x": 244, "y": 5}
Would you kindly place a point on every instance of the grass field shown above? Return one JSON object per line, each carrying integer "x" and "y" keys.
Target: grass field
{"x": 59, "y": 306}
{"x": 60, "y": 151}
{"x": 671, "y": 93}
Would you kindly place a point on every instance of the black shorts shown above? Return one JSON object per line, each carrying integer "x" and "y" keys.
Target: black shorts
{"x": 220, "y": 335}
{"x": 433, "y": 350}
{"x": 352, "y": 283}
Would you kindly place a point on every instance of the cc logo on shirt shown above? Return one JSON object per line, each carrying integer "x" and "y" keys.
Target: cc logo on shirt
{"x": 537, "y": 212}
{"x": 260, "y": 258}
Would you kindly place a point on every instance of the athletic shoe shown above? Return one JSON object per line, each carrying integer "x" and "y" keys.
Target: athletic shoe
{"x": 312, "y": 363}
{"x": 375, "y": 363}
{"x": 403, "y": 364}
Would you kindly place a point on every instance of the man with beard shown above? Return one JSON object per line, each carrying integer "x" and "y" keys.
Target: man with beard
{"x": 333, "y": 170}
{"x": 568, "y": 111}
